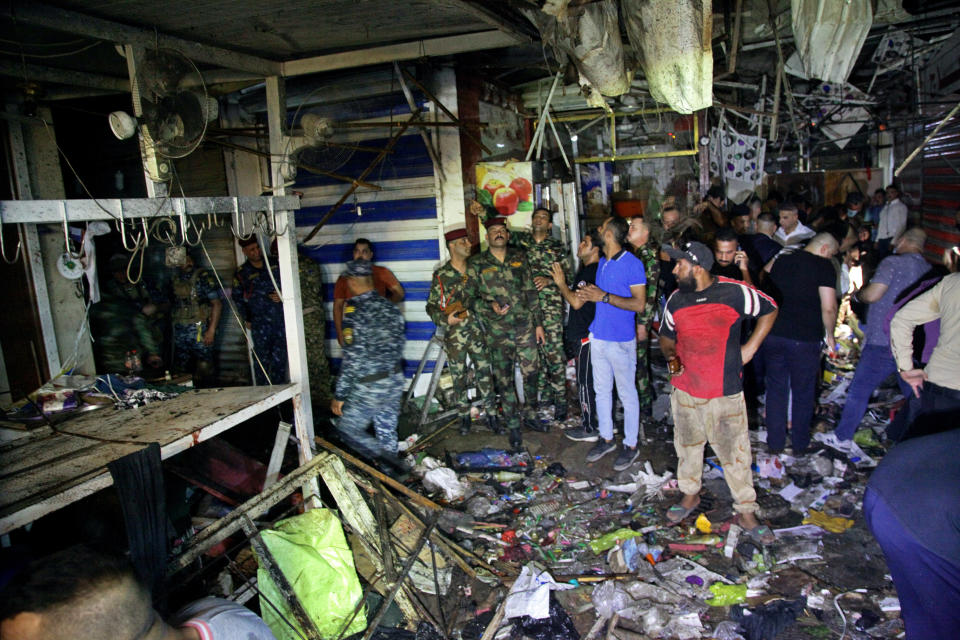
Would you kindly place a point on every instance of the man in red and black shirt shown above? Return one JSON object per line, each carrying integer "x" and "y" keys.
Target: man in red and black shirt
{"x": 700, "y": 337}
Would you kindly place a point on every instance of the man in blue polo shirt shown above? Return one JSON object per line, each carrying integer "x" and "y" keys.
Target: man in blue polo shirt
{"x": 620, "y": 294}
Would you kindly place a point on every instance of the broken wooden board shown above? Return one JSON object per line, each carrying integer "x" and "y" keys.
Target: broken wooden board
{"x": 355, "y": 512}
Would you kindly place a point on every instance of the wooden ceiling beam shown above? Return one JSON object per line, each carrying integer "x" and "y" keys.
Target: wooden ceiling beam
{"x": 445, "y": 46}
{"x": 35, "y": 13}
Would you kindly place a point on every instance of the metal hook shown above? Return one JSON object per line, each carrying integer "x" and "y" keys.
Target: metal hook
{"x": 236, "y": 222}
{"x": 122, "y": 228}
{"x": 3, "y": 245}
{"x": 66, "y": 232}
{"x": 199, "y": 232}
{"x": 273, "y": 220}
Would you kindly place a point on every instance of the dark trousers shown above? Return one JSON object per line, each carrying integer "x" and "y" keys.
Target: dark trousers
{"x": 792, "y": 367}
{"x": 876, "y": 364}
{"x": 937, "y": 409}
{"x": 588, "y": 397}
{"x": 928, "y": 586}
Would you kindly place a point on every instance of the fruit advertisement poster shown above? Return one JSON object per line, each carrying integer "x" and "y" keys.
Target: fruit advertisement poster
{"x": 508, "y": 188}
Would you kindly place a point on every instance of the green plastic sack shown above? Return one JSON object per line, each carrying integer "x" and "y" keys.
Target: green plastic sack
{"x": 725, "y": 595}
{"x": 866, "y": 438}
{"x": 607, "y": 540}
{"x": 313, "y": 554}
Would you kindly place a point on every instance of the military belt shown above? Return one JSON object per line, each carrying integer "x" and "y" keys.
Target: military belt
{"x": 373, "y": 377}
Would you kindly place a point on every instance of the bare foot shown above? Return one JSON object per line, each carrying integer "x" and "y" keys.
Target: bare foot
{"x": 748, "y": 521}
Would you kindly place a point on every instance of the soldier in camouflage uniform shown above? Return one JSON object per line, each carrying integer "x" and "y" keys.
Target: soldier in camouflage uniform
{"x": 259, "y": 304}
{"x": 370, "y": 384}
{"x": 542, "y": 251}
{"x": 648, "y": 252}
{"x": 462, "y": 334}
{"x": 314, "y": 327}
{"x": 501, "y": 293}
{"x": 125, "y": 319}
{"x": 196, "y": 315}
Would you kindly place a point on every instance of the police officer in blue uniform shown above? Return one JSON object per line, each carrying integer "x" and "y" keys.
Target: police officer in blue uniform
{"x": 370, "y": 384}
{"x": 260, "y": 306}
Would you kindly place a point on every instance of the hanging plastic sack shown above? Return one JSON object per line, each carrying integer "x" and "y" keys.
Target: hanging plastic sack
{"x": 312, "y": 552}
{"x": 829, "y": 35}
{"x": 590, "y": 36}
{"x": 673, "y": 41}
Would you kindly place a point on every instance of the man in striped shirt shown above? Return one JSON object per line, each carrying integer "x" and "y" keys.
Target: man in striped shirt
{"x": 700, "y": 337}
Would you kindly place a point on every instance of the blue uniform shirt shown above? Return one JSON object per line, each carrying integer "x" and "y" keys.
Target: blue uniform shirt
{"x": 373, "y": 340}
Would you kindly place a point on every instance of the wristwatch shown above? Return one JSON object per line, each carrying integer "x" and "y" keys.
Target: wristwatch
{"x": 605, "y": 298}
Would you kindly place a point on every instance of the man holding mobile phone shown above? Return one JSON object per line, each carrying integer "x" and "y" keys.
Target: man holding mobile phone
{"x": 462, "y": 335}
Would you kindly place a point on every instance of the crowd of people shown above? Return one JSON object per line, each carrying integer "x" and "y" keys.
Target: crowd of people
{"x": 744, "y": 302}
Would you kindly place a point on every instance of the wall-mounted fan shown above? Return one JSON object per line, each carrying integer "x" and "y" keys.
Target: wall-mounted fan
{"x": 316, "y": 151}
{"x": 173, "y": 117}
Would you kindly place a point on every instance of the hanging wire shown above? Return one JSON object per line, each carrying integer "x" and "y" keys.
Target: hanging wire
{"x": 49, "y": 55}
{"x": 139, "y": 250}
{"x": 236, "y": 315}
{"x": 646, "y": 125}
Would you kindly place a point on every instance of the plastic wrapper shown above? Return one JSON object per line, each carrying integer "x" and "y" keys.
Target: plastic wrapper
{"x": 530, "y": 594}
{"x": 608, "y": 540}
{"x": 727, "y": 630}
{"x": 725, "y": 595}
{"x": 313, "y": 554}
{"x": 610, "y": 598}
{"x": 832, "y": 524}
{"x": 445, "y": 480}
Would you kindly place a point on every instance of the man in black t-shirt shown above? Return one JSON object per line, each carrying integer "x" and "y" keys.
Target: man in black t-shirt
{"x": 577, "y": 330}
{"x": 805, "y": 283}
{"x": 729, "y": 260}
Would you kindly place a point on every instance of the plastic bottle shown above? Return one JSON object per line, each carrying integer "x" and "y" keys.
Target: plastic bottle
{"x": 507, "y": 476}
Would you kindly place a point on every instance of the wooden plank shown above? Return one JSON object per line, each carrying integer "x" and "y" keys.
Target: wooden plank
{"x": 356, "y": 513}
{"x": 25, "y": 489}
{"x": 73, "y": 461}
{"x": 254, "y": 508}
{"x": 387, "y": 480}
{"x": 447, "y": 45}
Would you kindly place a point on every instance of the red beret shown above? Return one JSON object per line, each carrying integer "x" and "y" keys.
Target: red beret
{"x": 492, "y": 222}
{"x": 455, "y": 234}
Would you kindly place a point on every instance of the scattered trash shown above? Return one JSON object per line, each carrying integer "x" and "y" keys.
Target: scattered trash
{"x": 554, "y": 625}
{"x": 530, "y": 594}
{"x": 703, "y": 524}
{"x": 725, "y": 595}
{"x": 837, "y": 524}
{"x": 445, "y": 480}
{"x": 767, "y": 621}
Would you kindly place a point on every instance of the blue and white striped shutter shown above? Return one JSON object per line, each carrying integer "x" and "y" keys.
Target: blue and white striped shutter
{"x": 401, "y": 220}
